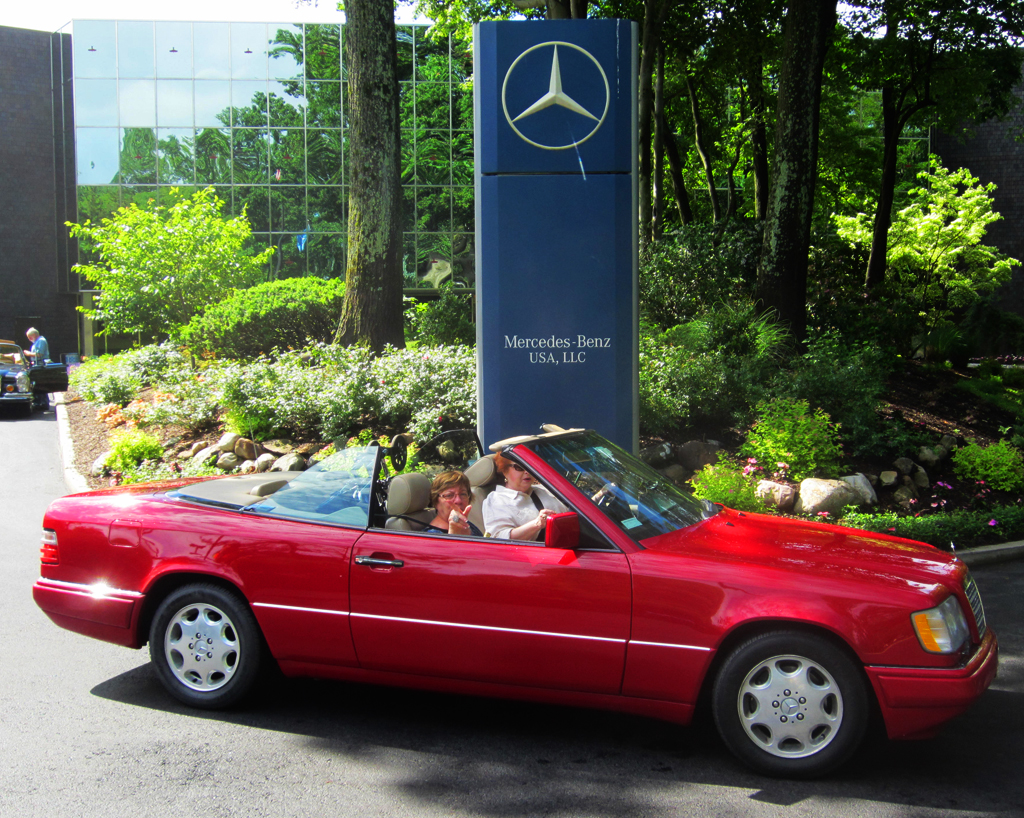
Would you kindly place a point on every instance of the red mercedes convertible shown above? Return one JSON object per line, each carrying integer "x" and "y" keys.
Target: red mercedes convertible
{"x": 646, "y": 600}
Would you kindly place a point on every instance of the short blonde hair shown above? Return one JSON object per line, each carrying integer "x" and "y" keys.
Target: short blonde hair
{"x": 32, "y": 331}
{"x": 448, "y": 480}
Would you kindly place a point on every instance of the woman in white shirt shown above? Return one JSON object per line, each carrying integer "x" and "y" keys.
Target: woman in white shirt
{"x": 519, "y": 510}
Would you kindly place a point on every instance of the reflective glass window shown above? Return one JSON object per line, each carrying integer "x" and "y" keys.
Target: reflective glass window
{"x": 213, "y": 103}
{"x": 97, "y": 153}
{"x": 404, "y": 37}
{"x": 464, "y": 259}
{"x": 323, "y": 51}
{"x": 213, "y": 156}
{"x": 287, "y": 208}
{"x": 463, "y": 212}
{"x": 95, "y": 49}
{"x": 174, "y": 103}
{"x": 325, "y": 254}
{"x": 249, "y": 148}
{"x": 287, "y": 156}
{"x": 137, "y": 103}
{"x": 433, "y": 208}
{"x": 138, "y": 156}
{"x": 248, "y": 51}
{"x": 212, "y": 47}
{"x": 327, "y": 209}
{"x": 410, "y": 277}
{"x": 254, "y": 201}
{"x": 97, "y": 202}
{"x": 409, "y": 208}
{"x": 175, "y": 156}
{"x": 141, "y": 195}
{"x": 323, "y": 157}
{"x": 135, "y": 55}
{"x": 96, "y": 102}
{"x": 286, "y": 51}
{"x": 287, "y": 104}
{"x": 323, "y": 104}
{"x": 433, "y": 157}
{"x": 249, "y": 103}
{"x": 174, "y": 50}
{"x": 289, "y": 260}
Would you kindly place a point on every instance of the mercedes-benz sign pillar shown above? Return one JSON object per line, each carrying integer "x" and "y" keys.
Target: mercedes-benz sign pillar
{"x": 556, "y": 227}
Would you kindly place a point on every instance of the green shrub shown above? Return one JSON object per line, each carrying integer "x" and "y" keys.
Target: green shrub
{"x": 107, "y": 379}
{"x": 130, "y": 447}
{"x": 283, "y": 314}
{"x": 724, "y": 482}
{"x": 446, "y": 321}
{"x": 788, "y": 430}
{"x": 1000, "y": 465}
{"x": 963, "y": 528}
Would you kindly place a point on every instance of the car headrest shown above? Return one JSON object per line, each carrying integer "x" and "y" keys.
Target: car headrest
{"x": 408, "y": 493}
{"x": 482, "y": 472}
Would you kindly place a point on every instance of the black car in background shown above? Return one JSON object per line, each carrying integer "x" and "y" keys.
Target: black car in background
{"x": 22, "y": 384}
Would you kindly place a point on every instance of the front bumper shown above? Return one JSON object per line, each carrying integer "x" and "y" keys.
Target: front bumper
{"x": 93, "y": 610}
{"x": 16, "y": 397}
{"x": 915, "y": 702}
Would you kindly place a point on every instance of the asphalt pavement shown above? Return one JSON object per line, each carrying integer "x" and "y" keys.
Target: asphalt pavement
{"x": 86, "y": 730}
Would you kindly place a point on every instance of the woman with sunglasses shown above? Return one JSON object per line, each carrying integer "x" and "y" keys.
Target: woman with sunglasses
{"x": 519, "y": 510}
{"x": 449, "y": 495}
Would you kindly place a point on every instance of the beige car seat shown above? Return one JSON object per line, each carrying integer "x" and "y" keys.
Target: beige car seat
{"x": 409, "y": 496}
{"x": 483, "y": 476}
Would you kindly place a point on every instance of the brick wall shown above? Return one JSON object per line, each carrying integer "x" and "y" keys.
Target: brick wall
{"x": 993, "y": 154}
{"x": 33, "y": 289}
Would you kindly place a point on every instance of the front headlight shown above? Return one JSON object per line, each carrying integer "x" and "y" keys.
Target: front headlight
{"x": 942, "y": 629}
{"x": 24, "y": 384}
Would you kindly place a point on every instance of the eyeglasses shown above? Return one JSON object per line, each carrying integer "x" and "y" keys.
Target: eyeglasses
{"x": 454, "y": 495}
{"x": 517, "y": 467}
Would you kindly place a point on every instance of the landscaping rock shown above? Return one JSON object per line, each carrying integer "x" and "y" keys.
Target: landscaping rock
{"x": 929, "y": 457}
{"x": 205, "y": 456}
{"x": 228, "y": 461}
{"x": 247, "y": 467}
{"x": 888, "y": 479}
{"x": 904, "y": 465}
{"x": 904, "y": 494}
{"x": 197, "y": 447}
{"x": 290, "y": 462}
{"x": 818, "y": 495}
{"x": 920, "y": 478}
{"x": 171, "y": 442}
{"x": 860, "y": 484}
{"x": 675, "y": 473}
{"x": 658, "y": 456}
{"x": 264, "y": 462}
{"x": 696, "y": 454}
{"x": 227, "y": 442}
{"x": 246, "y": 449}
{"x": 778, "y": 495}
{"x": 948, "y": 442}
{"x": 99, "y": 465}
{"x": 278, "y": 446}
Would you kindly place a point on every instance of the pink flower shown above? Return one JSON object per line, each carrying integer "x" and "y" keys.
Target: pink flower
{"x": 993, "y": 522}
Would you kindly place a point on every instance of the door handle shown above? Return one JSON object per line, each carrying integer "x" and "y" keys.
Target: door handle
{"x": 379, "y": 562}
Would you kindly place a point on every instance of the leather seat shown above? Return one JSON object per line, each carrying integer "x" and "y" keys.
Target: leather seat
{"x": 409, "y": 496}
{"x": 483, "y": 476}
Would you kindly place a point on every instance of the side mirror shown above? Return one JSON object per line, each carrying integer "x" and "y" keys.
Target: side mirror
{"x": 563, "y": 531}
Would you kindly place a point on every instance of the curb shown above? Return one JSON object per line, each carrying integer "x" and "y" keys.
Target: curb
{"x": 74, "y": 481}
{"x": 973, "y": 557}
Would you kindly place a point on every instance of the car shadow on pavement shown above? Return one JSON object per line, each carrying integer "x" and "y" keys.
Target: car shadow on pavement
{"x": 498, "y": 758}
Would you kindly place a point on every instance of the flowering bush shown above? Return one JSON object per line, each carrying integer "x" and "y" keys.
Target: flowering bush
{"x": 1000, "y": 465}
{"x": 790, "y": 433}
{"x": 728, "y": 483}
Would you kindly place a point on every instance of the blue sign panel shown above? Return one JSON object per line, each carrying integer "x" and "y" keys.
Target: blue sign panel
{"x": 556, "y": 227}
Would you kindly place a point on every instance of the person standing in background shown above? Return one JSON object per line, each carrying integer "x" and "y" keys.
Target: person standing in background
{"x": 39, "y": 353}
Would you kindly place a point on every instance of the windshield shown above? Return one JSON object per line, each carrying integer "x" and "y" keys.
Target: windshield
{"x": 10, "y": 354}
{"x": 642, "y": 502}
{"x": 336, "y": 490}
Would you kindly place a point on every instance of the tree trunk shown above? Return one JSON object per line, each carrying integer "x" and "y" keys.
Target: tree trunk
{"x": 758, "y": 142}
{"x": 654, "y": 16}
{"x": 657, "y": 217}
{"x": 372, "y": 312}
{"x": 886, "y": 194}
{"x": 675, "y": 172}
{"x": 702, "y": 150}
{"x": 782, "y": 273}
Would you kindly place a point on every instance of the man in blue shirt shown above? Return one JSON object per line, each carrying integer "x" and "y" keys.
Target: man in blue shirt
{"x": 38, "y": 355}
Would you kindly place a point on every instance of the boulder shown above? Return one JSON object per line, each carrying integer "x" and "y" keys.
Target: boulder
{"x": 247, "y": 467}
{"x": 658, "y": 456}
{"x": 675, "y": 473}
{"x": 205, "y": 456}
{"x": 694, "y": 455}
{"x": 904, "y": 465}
{"x": 245, "y": 449}
{"x": 278, "y": 446}
{"x": 947, "y": 442}
{"x": 227, "y": 442}
{"x": 904, "y": 494}
{"x": 832, "y": 496}
{"x": 264, "y": 462}
{"x": 778, "y": 495}
{"x": 860, "y": 484}
{"x": 929, "y": 457}
{"x": 920, "y": 478}
{"x": 99, "y": 465}
{"x": 888, "y": 479}
{"x": 290, "y": 462}
{"x": 228, "y": 461}
{"x": 197, "y": 447}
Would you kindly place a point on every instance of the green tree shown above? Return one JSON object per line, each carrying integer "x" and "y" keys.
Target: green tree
{"x": 935, "y": 256}
{"x": 158, "y": 266}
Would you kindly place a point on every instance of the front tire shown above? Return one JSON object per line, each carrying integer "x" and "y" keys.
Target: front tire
{"x": 791, "y": 704}
{"x": 206, "y": 646}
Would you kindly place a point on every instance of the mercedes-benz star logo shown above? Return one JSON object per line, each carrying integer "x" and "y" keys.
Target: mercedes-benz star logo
{"x": 555, "y": 96}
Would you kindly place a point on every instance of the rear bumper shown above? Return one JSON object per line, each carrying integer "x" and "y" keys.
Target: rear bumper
{"x": 915, "y": 702}
{"x": 99, "y": 612}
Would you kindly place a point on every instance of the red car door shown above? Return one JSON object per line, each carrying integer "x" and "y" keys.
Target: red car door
{"x": 490, "y": 610}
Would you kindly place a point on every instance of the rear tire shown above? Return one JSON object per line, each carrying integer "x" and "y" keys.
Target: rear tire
{"x": 791, "y": 704}
{"x": 206, "y": 646}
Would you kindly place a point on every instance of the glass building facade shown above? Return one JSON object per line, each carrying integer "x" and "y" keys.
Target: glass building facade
{"x": 259, "y": 111}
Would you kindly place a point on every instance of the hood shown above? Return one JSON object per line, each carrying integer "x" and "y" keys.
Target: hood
{"x": 801, "y": 545}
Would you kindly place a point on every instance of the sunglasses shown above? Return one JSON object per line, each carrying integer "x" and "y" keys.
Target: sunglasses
{"x": 517, "y": 467}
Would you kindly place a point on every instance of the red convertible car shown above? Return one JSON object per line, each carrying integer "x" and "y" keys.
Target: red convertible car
{"x": 646, "y": 601}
